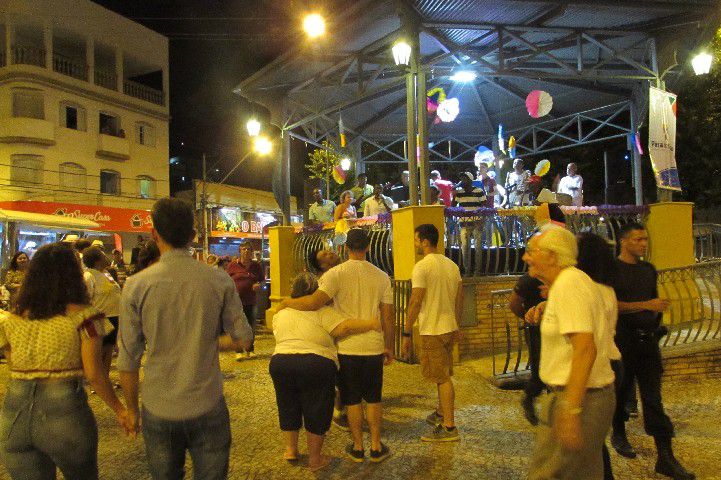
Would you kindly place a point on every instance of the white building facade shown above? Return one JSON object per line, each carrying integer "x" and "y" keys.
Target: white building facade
{"x": 83, "y": 113}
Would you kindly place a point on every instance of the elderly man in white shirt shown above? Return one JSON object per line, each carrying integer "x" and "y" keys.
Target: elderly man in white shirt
{"x": 575, "y": 363}
{"x": 572, "y": 184}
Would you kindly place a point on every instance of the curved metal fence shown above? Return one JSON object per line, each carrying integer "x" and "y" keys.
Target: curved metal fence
{"x": 707, "y": 241}
{"x": 308, "y": 243}
{"x": 693, "y": 317}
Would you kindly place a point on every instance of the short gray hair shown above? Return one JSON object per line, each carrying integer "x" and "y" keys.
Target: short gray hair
{"x": 303, "y": 284}
{"x": 559, "y": 241}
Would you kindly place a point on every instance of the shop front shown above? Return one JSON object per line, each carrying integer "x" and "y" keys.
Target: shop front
{"x": 117, "y": 228}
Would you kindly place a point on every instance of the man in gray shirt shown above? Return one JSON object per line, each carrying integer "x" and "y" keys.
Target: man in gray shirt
{"x": 176, "y": 312}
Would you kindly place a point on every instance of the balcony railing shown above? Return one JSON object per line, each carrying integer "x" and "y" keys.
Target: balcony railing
{"x": 2, "y": 58}
{"x": 69, "y": 67}
{"x": 106, "y": 79}
{"x": 26, "y": 55}
{"x": 142, "y": 92}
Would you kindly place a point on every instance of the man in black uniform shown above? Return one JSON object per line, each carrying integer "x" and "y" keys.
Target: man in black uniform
{"x": 637, "y": 335}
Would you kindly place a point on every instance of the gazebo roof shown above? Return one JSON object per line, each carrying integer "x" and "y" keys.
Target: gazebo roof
{"x": 586, "y": 53}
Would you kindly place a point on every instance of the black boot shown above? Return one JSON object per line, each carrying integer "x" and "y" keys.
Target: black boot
{"x": 529, "y": 409}
{"x": 667, "y": 463}
{"x": 620, "y": 443}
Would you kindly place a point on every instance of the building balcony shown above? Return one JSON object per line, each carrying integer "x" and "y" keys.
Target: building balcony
{"x": 27, "y": 130}
{"x": 113, "y": 147}
{"x": 143, "y": 93}
{"x": 27, "y": 55}
{"x": 69, "y": 67}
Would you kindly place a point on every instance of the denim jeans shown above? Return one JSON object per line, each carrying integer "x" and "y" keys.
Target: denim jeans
{"x": 471, "y": 241}
{"x": 207, "y": 438}
{"x": 48, "y": 424}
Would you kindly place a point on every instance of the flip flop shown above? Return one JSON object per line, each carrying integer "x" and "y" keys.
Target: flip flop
{"x": 324, "y": 464}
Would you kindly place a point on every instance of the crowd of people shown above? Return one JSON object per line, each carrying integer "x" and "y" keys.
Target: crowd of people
{"x": 596, "y": 319}
{"x": 520, "y": 188}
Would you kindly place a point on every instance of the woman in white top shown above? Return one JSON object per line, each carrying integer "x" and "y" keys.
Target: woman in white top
{"x": 104, "y": 295}
{"x": 51, "y": 341}
{"x": 595, "y": 258}
{"x": 303, "y": 368}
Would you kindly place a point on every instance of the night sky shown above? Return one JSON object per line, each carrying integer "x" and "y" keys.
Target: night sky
{"x": 214, "y": 45}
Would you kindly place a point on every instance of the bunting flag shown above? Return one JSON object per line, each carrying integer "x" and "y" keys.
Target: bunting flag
{"x": 341, "y": 130}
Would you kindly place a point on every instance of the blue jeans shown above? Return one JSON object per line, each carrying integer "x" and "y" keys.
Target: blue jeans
{"x": 207, "y": 438}
{"x": 48, "y": 424}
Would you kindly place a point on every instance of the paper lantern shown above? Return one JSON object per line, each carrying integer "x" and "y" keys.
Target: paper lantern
{"x": 539, "y": 103}
{"x": 483, "y": 155}
{"x": 339, "y": 175}
{"x": 449, "y": 109}
{"x": 434, "y": 98}
{"x": 542, "y": 167}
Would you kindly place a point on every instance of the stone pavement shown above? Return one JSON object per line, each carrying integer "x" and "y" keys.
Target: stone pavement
{"x": 495, "y": 439}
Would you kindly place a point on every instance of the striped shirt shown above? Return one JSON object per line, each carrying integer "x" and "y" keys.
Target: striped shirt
{"x": 470, "y": 200}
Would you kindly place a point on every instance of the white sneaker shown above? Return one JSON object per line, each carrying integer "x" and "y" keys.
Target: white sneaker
{"x": 250, "y": 355}
{"x": 240, "y": 356}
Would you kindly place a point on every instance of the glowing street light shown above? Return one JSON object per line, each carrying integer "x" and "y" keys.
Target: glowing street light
{"x": 262, "y": 146}
{"x": 314, "y": 25}
{"x": 253, "y": 127}
{"x": 464, "y": 76}
{"x": 345, "y": 163}
{"x": 701, "y": 63}
{"x": 401, "y": 52}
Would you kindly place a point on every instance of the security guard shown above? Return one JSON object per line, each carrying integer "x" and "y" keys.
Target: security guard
{"x": 637, "y": 334}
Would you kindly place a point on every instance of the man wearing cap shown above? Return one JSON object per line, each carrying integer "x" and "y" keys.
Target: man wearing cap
{"x": 359, "y": 290}
{"x": 470, "y": 198}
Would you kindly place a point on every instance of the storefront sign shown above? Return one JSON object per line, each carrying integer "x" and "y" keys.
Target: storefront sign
{"x": 232, "y": 222}
{"x": 111, "y": 219}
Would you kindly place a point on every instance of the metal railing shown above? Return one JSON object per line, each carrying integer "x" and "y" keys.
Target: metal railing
{"x": 695, "y": 295}
{"x": 490, "y": 243}
{"x": 142, "y": 92}
{"x": 106, "y": 79}
{"x": 69, "y": 67}
{"x": 27, "y": 55}
{"x": 694, "y": 315}
{"x": 380, "y": 252}
{"x": 2, "y": 58}
{"x": 707, "y": 241}
{"x": 401, "y": 296}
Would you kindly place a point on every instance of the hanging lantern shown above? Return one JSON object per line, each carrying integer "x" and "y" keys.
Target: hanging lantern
{"x": 539, "y": 103}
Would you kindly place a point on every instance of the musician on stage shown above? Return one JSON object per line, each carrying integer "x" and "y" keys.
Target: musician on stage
{"x": 517, "y": 185}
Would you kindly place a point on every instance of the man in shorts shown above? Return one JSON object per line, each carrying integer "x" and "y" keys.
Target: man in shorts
{"x": 359, "y": 290}
{"x": 436, "y": 302}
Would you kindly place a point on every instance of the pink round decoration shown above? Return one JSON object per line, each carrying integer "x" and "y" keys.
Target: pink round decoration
{"x": 539, "y": 103}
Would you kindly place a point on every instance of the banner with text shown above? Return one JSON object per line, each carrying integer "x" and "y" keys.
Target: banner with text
{"x": 662, "y": 138}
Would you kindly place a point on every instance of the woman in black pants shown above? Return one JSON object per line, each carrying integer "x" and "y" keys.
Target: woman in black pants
{"x": 303, "y": 368}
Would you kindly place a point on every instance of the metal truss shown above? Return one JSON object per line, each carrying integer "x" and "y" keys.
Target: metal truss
{"x": 583, "y": 128}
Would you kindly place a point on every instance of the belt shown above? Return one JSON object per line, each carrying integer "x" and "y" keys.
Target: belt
{"x": 560, "y": 388}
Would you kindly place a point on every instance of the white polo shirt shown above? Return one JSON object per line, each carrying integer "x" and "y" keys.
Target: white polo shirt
{"x": 441, "y": 278}
{"x": 358, "y": 288}
{"x": 575, "y": 305}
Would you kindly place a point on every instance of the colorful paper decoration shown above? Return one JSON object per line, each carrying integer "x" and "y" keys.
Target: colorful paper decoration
{"x": 341, "y": 130}
{"x": 483, "y": 155}
{"x": 434, "y": 98}
{"x": 512, "y": 147}
{"x": 542, "y": 167}
{"x": 448, "y": 110}
{"x": 539, "y": 103}
{"x": 501, "y": 141}
{"x": 338, "y": 175}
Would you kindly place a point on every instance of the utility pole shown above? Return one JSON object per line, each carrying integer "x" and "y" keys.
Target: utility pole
{"x": 204, "y": 206}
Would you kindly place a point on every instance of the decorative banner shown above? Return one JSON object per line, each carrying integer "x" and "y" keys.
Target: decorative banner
{"x": 662, "y": 138}
{"x": 111, "y": 219}
{"x": 539, "y": 103}
{"x": 483, "y": 155}
{"x": 434, "y": 98}
{"x": 512, "y": 147}
{"x": 341, "y": 131}
{"x": 501, "y": 141}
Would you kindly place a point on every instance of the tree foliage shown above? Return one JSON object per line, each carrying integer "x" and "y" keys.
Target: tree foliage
{"x": 698, "y": 136}
{"x": 321, "y": 163}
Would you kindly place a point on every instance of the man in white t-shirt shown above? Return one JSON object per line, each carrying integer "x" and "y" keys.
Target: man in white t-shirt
{"x": 572, "y": 184}
{"x": 359, "y": 290}
{"x": 575, "y": 362}
{"x": 437, "y": 303}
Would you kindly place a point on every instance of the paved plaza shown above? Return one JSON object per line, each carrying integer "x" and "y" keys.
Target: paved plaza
{"x": 495, "y": 439}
